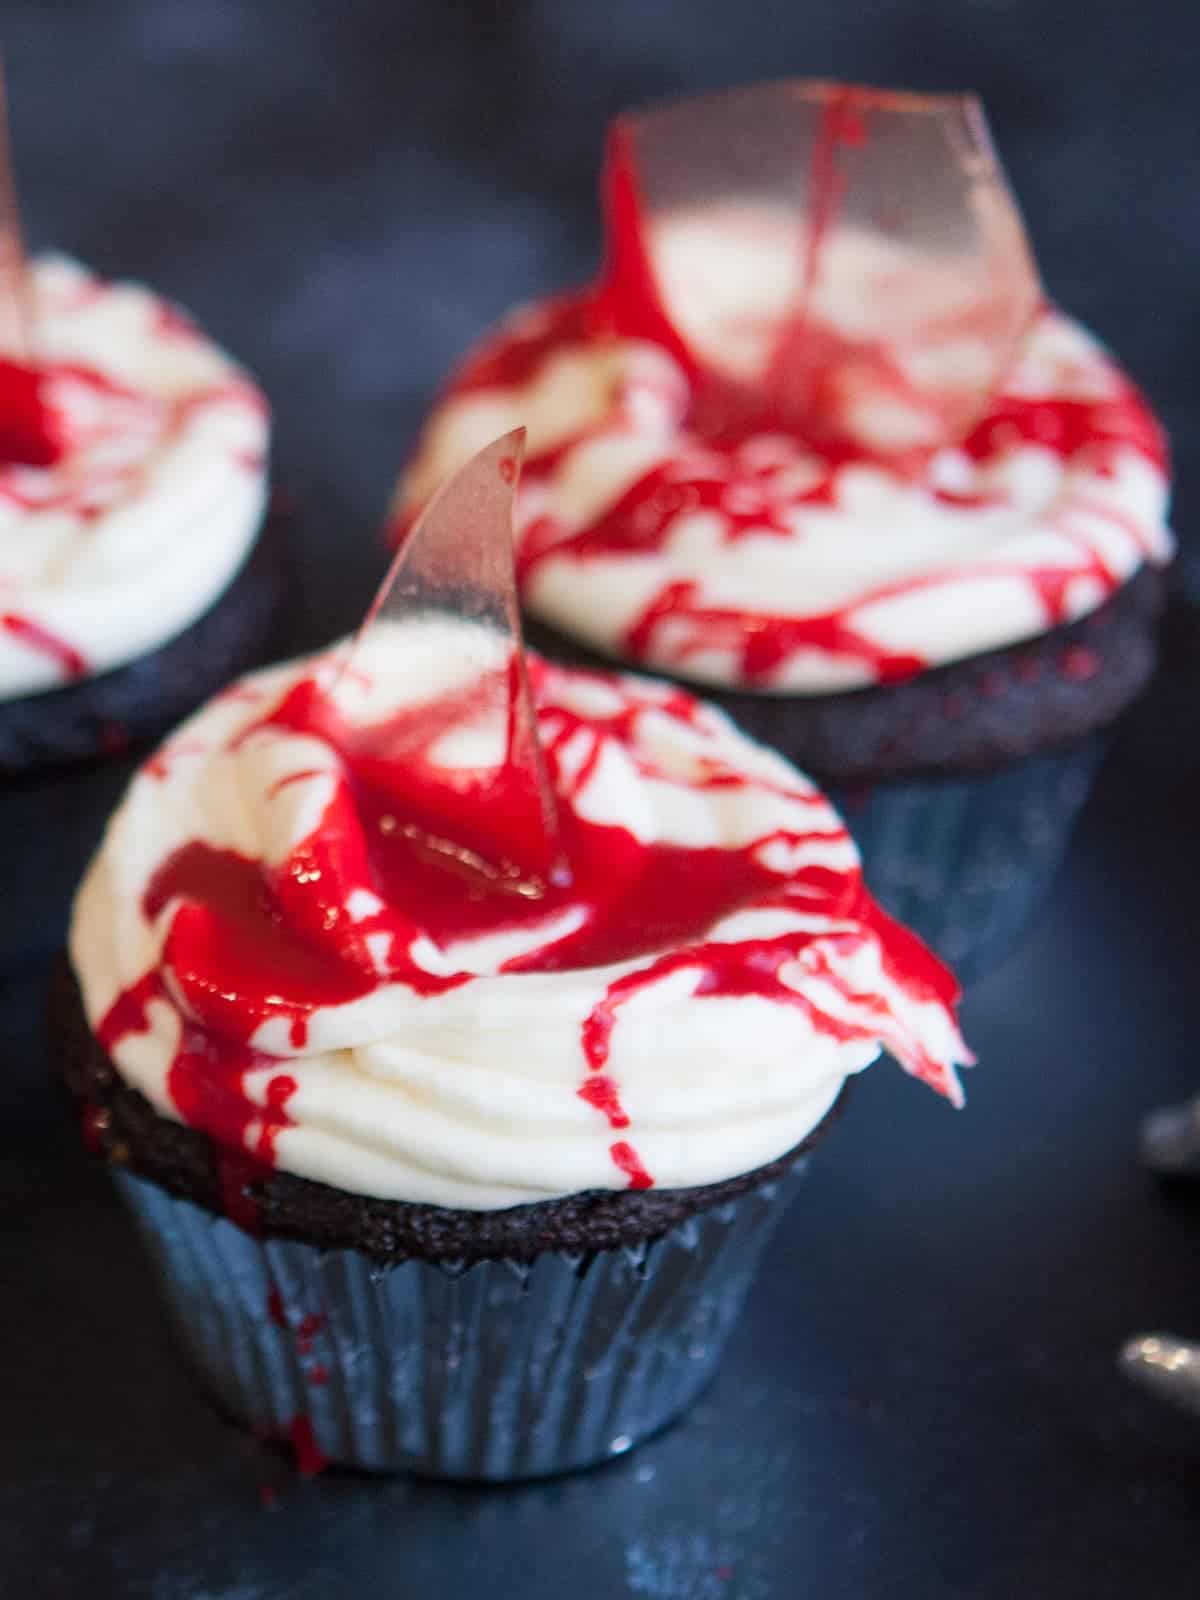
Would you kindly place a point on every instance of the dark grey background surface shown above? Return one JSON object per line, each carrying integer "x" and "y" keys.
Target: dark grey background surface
{"x": 921, "y": 1402}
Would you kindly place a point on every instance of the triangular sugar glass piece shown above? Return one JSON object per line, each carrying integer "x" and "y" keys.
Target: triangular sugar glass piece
{"x": 29, "y": 433}
{"x": 15, "y": 311}
{"x": 460, "y": 752}
{"x": 840, "y": 260}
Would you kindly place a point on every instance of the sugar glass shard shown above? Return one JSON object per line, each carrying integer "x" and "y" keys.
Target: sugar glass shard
{"x": 16, "y": 333}
{"x": 465, "y": 765}
{"x": 30, "y": 430}
{"x": 845, "y": 261}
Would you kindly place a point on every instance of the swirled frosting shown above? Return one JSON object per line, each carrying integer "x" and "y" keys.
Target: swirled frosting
{"x": 149, "y": 501}
{"x": 755, "y": 558}
{"x": 273, "y": 951}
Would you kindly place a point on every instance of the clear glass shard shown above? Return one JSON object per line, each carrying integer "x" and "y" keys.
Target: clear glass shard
{"x": 30, "y": 429}
{"x": 464, "y": 761}
{"x": 16, "y": 319}
{"x": 841, "y": 260}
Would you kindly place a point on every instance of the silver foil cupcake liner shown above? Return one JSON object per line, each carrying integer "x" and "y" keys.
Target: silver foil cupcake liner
{"x": 497, "y": 1370}
{"x": 965, "y": 862}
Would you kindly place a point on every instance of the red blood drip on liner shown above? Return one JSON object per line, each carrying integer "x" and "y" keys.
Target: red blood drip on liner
{"x": 309, "y": 1457}
{"x": 308, "y": 1327}
{"x": 307, "y": 1330}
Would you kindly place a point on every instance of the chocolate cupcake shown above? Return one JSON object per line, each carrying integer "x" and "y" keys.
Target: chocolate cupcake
{"x": 133, "y": 492}
{"x": 816, "y": 441}
{"x": 449, "y": 1163}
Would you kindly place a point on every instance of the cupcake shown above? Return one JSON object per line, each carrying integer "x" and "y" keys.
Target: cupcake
{"x": 133, "y": 488}
{"x": 455, "y": 1112}
{"x": 817, "y": 441}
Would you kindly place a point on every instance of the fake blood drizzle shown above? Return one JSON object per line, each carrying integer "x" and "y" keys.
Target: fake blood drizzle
{"x": 721, "y": 425}
{"x": 756, "y": 493}
{"x": 247, "y": 944}
{"x": 40, "y": 412}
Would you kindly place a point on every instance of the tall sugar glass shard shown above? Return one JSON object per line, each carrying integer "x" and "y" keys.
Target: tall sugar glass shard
{"x": 844, "y": 261}
{"x": 16, "y": 320}
{"x": 463, "y": 761}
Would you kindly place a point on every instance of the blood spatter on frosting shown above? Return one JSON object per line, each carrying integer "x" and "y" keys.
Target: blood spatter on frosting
{"x": 32, "y": 635}
{"x": 132, "y": 479}
{"x": 704, "y": 872}
{"x": 30, "y": 434}
{"x": 738, "y": 546}
{"x": 206, "y": 1082}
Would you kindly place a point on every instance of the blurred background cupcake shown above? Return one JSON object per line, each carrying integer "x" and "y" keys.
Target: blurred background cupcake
{"x": 817, "y": 441}
{"x": 134, "y": 578}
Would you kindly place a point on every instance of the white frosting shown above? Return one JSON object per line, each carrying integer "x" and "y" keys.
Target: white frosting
{"x": 470, "y": 1097}
{"x": 910, "y": 571}
{"x": 146, "y": 518}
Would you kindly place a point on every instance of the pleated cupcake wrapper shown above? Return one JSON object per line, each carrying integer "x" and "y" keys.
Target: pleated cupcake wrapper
{"x": 966, "y": 862}
{"x": 497, "y": 1370}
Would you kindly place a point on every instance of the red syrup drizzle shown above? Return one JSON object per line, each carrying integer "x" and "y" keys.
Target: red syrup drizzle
{"x": 30, "y": 433}
{"x": 111, "y": 410}
{"x": 626, "y": 1158}
{"x": 711, "y": 474}
{"x": 71, "y": 662}
{"x": 305, "y": 1332}
{"x": 804, "y": 385}
{"x": 34, "y": 432}
{"x": 309, "y": 1457}
{"x": 247, "y": 943}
